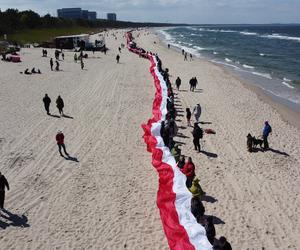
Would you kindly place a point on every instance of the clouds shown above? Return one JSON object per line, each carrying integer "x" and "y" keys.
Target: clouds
{"x": 185, "y": 11}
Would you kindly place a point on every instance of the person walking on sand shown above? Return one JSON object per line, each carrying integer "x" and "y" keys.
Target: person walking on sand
{"x": 191, "y": 57}
{"x": 118, "y": 58}
{"x": 60, "y": 143}
{"x": 191, "y": 82}
{"x": 3, "y": 184}
{"x": 266, "y": 131}
{"x": 60, "y": 105}
{"x": 178, "y": 82}
{"x": 195, "y": 83}
{"x": 81, "y": 63}
{"x": 47, "y": 102}
{"x": 57, "y": 65}
{"x": 185, "y": 56}
{"x": 197, "y": 112}
{"x": 197, "y": 135}
{"x": 51, "y": 64}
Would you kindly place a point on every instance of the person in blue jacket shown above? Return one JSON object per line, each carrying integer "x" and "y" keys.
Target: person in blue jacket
{"x": 267, "y": 130}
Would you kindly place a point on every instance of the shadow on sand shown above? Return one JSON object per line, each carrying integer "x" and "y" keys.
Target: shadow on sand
{"x": 209, "y": 154}
{"x": 67, "y": 116}
{"x": 209, "y": 198}
{"x": 70, "y": 158}
{"x": 15, "y": 220}
{"x": 256, "y": 150}
{"x": 56, "y": 116}
{"x": 278, "y": 152}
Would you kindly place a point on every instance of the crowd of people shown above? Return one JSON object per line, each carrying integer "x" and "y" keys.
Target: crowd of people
{"x": 169, "y": 130}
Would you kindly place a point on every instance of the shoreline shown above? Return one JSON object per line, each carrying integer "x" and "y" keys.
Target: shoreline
{"x": 247, "y": 187}
{"x": 287, "y": 113}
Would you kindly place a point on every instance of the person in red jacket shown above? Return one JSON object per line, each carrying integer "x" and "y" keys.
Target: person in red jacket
{"x": 189, "y": 171}
{"x": 60, "y": 142}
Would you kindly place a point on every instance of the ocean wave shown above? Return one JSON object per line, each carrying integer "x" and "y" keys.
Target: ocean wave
{"x": 288, "y": 85}
{"x": 215, "y": 53}
{"x": 248, "y": 33}
{"x": 286, "y": 96}
{"x": 167, "y": 36}
{"x": 193, "y": 34}
{"x": 226, "y": 64}
{"x": 282, "y": 37}
{"x": 286, "y": 79}
{"x": 265, "y": 75}
{"x": 211, "y": 30}
{"x": 199, "y": 48}
{"x": 192, "y": 28}
{"x": 228, "y": 60}
{"x": 248, "y": 66}
{"x": 261, "y": 54}
{"x": 228, "y": 31}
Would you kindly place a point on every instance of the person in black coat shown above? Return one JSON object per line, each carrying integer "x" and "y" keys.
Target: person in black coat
{"x": 60, "y": 105}
{"x": 197, "y": 208}
{"x": 188, "y": 116}
{"x": 210, "y": 230}
{"x": 47, "y": 102}
{"x": 178, "y": 82}
{"x": 224, "y": 244}
{"x": 51, "y": 63}
{"x": 197, "y": 135}
{"x": 3, "y": 184}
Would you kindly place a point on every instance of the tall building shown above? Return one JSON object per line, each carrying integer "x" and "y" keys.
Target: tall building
{"x": 92, "y": 15}
{"x": 72, "y": 13}
{"x": 77, "y": 13}
{"x": 112, "y": 16}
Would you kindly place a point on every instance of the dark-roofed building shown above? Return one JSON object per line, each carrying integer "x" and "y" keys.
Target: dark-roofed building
{"x": 112, "y": 16}
{"x": 77, "y": 13}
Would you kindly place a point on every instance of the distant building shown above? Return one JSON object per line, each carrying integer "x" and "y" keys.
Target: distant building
{"x": 77, "y": 13}
{"x": 92, "y": 15}
{"x": 72, "y": 13}
{"x": 112, "y": 16}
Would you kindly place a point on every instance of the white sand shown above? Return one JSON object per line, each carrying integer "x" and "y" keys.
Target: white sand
{"x": 108, "y": 199}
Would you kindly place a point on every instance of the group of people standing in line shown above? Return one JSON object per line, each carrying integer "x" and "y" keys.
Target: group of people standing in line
{"x": 168, "y": 131}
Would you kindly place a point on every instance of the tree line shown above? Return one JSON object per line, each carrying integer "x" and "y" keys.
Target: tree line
{"x": 13, "y": 20}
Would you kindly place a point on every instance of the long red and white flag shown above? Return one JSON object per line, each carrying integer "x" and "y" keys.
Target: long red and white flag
{"x": 173, "y": 198}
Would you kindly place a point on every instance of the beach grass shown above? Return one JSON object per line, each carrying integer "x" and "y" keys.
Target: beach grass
{"x": 46, "y": 34}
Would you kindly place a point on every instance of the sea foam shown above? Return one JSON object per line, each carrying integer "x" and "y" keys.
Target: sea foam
{"x": 288, "y": 85}
{"x": 248, "y": 66}
{"x": 265, "y": 75}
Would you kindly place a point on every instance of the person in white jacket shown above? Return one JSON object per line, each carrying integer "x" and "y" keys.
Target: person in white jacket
{"x": 197, "y": 112}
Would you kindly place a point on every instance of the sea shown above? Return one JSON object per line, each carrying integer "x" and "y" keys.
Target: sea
{"x": 267, "y": 56}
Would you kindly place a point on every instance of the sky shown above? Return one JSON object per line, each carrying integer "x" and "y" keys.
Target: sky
{"x": 175, "y": 11}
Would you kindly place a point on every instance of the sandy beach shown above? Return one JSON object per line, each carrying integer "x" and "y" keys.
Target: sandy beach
{"x": 107, "y": 199}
